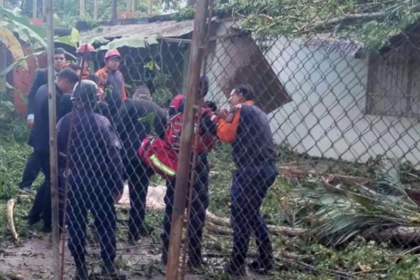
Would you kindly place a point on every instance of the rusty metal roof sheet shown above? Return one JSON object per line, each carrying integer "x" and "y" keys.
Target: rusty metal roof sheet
{"x": 165, "y": 29}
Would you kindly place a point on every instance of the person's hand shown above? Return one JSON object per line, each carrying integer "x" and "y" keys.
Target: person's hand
{"x": 222, "y": 113}
{"x": 30, "y": 122}
{"x": 117, "y": 197}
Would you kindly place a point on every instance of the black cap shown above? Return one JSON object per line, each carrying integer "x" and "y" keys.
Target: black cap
{"x": 85, "y": 91}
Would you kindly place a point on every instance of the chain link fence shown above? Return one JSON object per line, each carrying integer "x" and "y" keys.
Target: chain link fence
{"x": 314, "y": 170}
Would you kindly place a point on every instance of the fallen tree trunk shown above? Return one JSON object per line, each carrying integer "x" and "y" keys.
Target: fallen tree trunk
{"x": 276, "y": 230}
{"x": 10, "y": 221}
{"x": 404, "y": 235}
{"x": 338, "y": 178}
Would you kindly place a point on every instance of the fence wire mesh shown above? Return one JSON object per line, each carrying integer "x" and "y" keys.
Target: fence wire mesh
{"x": 305, "y": 155}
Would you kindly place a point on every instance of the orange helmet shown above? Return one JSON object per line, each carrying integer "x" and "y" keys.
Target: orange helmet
{"x": 112, "y": 53}
{"x": 85, "y": 48}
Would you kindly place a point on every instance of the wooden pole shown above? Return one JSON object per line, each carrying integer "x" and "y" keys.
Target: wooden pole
{"x": 95, "y": 10}
{"x": 82, "y": 9}
{"x": 114, "y": 14}
{"x": 53, "y": 137}
{"x": 183, "y": 171}
{"x": 135, "y": 5}
{"x": 44, "y": 9}
{"x": 150, "y": 10}
{"x": 3, "y": 65}
{"x": 34, "y": 8}
{"x": 129, "y": 7}
{"x": 191, "y": 3}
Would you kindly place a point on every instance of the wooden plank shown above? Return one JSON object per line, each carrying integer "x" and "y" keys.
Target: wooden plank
{"x": 183, "y": 171}
{"x": 82, "y": 9}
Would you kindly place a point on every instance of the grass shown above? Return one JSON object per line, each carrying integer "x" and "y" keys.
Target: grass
{"x": 360, "y": 258}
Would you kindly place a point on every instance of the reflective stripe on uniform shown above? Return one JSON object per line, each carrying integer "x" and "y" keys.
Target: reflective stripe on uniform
{"x": 162, "y": 166}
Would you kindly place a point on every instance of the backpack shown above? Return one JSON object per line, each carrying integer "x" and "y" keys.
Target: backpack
{"x": 173, "y": 128}
{"x": 159, "y": 155}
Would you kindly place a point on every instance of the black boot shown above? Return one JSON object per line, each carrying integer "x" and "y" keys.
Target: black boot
{"x": 195, "y": 259}
{"x": 265, "y": 261}
{"x": 110, "y": 272}
{"x": 81, "y": 271}
{"x": 234, "y": 270}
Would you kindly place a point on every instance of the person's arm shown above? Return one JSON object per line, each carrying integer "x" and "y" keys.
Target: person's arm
{"x": 62, "y": 135}
{"x": 38, "y": 82}
{"x": 116, "y": 164}
{"x": 124, "y": 93}
{"x": 208, "y": 123}
{"x": 160, "y": 123}
{"x": 227, "y": 128}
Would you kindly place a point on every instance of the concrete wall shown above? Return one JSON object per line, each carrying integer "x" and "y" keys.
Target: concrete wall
{"x": 326, "y": 117}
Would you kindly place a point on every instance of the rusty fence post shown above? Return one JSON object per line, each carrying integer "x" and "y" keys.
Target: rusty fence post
{"x": 183, "y": 171}
{"x": 52, "y": 100}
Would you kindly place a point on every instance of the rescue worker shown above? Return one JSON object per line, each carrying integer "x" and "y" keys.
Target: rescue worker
{"x": 132, "y": 132}
{"x": 39, "y": 140}
{"x": 200, "y": 200}
{"x": 95, "y": 179}
{"x": 142, "y": 92}
{"x": 33, "y": 165}
{"x": 247, "y": 129}
{"x": 112, "y": 82}
{"x": 84, "y": 55}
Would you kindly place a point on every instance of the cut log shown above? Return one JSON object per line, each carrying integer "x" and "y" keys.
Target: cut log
{"x": 10, "y": 206}
{"x": 218, "y": 230}
{"x": 337, "y": 178}
{"x": 404, "y": 235}
{"x": 275, "y": 230}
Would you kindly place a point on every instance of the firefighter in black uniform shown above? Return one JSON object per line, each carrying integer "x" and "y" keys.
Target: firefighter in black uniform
{"x": 247, "y": 128}
{"x": 132, "y": 131}
{"x": 95, "y": 178}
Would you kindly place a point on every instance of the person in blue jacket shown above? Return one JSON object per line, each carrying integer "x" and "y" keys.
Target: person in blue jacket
{"x": 247, "y": 129}
{"x": 95, "y": 180}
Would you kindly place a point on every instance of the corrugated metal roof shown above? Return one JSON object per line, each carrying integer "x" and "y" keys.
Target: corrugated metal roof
{"x": 165, "y": 29}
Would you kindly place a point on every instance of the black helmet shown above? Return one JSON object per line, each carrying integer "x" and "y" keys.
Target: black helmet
{"x": 85, "y": 91}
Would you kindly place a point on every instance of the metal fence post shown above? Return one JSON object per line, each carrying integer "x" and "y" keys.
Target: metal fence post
{"x": 53, "y": 143}
{"x": 183, "y": 171}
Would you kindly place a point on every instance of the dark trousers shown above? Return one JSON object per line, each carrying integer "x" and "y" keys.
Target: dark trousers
{"x": 138, "y": 182}
{"x": 249, "y": 188}
{"x": 42, "y": 202}
{"x": 31, "y": 171}
{"x": 90, "y": 194}
{"x": 200, "y": 202}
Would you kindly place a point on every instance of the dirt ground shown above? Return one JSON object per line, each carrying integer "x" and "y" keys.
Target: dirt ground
{"x": 33, "y": 258}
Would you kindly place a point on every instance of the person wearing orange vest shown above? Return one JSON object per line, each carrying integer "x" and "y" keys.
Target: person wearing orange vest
{"x": 85, "y": 54}
{"x": 247, "y": 128}
{"x": 111, "y": 81}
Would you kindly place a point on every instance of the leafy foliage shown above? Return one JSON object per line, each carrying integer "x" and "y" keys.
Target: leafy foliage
{"x": 371, "y": 22}
{"x": 339, "y": 213}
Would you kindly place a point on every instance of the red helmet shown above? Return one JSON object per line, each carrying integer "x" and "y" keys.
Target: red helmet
{"x": 85, "y": 48}
{"x": 112, "y": 53}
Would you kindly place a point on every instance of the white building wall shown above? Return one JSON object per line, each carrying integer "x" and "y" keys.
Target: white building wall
{"x": 326, "y": 117}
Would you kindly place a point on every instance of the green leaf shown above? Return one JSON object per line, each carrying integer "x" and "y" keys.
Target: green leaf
{"x": 21, "y": 63}
{"x": 24, "y": 20}
{"x": 99, "y": 40}
{"x": 148, "y": 122}
{"x": 32, "y": 34}
{"x": 74, "y": 37}
{"x": 133, "y": 41}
